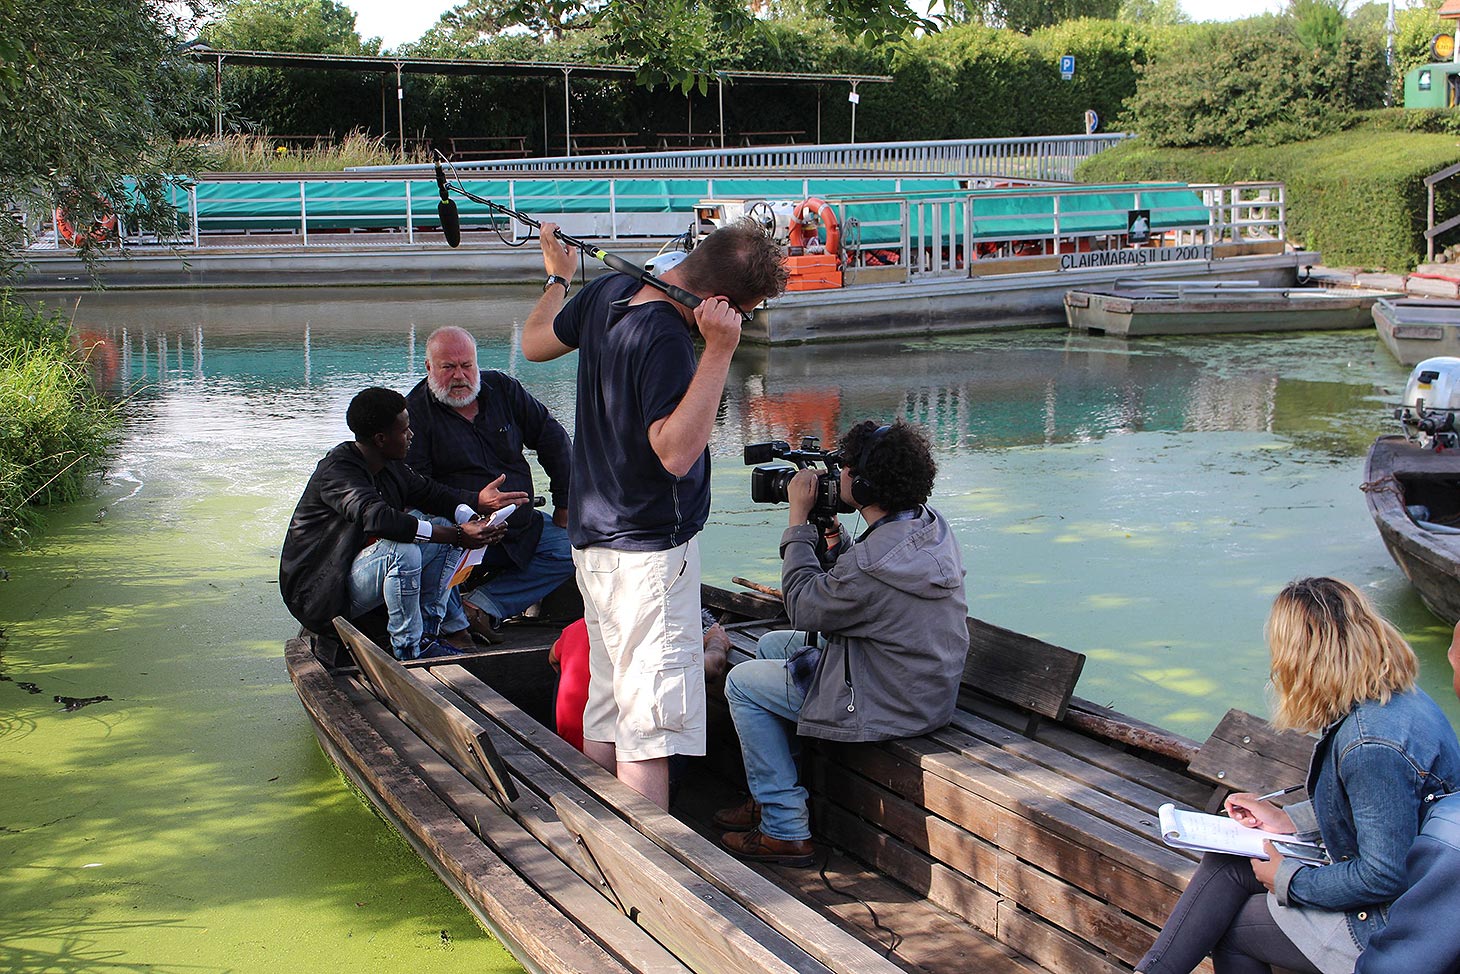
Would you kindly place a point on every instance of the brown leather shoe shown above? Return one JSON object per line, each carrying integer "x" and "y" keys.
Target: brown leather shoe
{"x": 461, "y": 640}
{"x": 479, "y": 624}
{"x": 756, "y": 846}
{"x": 738, "y": 818}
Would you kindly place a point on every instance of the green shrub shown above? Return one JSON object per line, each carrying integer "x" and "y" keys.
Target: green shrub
{"x": 55, "y": 431}
{"x": 1254, "y": 82}
{"x": 1357, "y": 197}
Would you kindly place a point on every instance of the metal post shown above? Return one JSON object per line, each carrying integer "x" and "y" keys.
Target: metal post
{"x": 400, "y": 111}
{"x": 1430, "y": 225}
{"x": 818, "y": 114}
{"x": 410, "y": 217}
{"x": 567, "y": 116}
{"x": 218, "y": 96}
{"x": 384, "y": 126}
{"x": 720, "y": 79}
{"x": 854, "y": 99}
{"x": 545, "y": 139}
{"x": 303, "y": 215}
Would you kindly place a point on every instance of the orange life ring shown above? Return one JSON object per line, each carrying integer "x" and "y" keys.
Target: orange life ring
{"x": 801, "y": 233}
{"x": 102, "y": 228}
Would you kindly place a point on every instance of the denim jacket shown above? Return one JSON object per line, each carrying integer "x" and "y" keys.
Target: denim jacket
{"x": 1372, "y": 775}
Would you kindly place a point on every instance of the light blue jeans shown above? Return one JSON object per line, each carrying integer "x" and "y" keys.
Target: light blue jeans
{"x": 764, "y": 703}
{"x": 410, "y": 579}
{"x": 512, "y": 590}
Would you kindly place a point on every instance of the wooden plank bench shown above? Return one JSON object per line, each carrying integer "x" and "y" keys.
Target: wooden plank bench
{"x": 1245, "y": 754}
{"x": 1009, "y": 824}
{"x": 600, "y": 143}
{"x": 487, "y": 147}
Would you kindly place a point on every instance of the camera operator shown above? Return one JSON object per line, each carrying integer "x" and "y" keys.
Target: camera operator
{"x": 889, "y": 617}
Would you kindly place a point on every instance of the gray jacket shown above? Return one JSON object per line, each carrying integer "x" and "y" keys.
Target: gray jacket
{"x": 894, "y": 615}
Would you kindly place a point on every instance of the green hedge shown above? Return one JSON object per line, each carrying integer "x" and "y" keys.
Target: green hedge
{"x": 1357, "y": 197}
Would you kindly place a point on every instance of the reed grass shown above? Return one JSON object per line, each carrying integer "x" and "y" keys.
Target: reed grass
{"x": 56, "y": 431}
{"x": 262, "y": 153}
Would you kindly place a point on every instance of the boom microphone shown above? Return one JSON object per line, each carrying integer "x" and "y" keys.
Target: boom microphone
{"x": 446, "y": 212}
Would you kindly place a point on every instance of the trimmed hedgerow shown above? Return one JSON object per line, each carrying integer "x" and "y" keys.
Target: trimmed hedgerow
{"x": 1357, "y": 197}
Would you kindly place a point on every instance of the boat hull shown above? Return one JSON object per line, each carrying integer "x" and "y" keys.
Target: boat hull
{"x": 1398, "y": 472}
{"x": 1136, "y": 313}
{"x": 1415, "y": 329}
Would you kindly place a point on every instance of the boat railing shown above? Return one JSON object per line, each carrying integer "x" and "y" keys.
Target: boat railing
{"x": 1051, "y": 157}
{"x": 1431, "y": 230}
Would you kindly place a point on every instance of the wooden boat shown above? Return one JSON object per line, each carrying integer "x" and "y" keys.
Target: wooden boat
{"x": 1137, "y": 308}
{"x": 1401, "y": 475}
{"x": 1414, "y": 329}
{"x": 1020, "y": 838}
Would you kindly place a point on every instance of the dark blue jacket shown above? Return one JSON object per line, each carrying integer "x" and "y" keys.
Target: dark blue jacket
{"x": 1371, "y": 775}
{"x": 1423, "y": 933}
{"x": 471, "y": 454}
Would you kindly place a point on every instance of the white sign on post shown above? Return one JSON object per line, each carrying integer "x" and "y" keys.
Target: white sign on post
{"x": 854, "y": 98}
{"x": 1067, "y": 67}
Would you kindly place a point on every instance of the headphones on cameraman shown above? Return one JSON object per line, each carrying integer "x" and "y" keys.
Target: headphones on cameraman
{"x": 862, "y": 489}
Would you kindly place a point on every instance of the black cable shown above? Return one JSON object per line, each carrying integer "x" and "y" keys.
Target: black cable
{"x": 894, "y": 939}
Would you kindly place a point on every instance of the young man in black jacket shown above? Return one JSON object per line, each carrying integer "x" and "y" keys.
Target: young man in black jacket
{"x": 356, "y": 540}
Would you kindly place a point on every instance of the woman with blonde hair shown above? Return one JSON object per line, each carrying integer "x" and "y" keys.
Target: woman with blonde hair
{"x": 1384, "y": 751}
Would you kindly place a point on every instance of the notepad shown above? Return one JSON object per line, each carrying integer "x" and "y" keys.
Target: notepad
{"x": 472, "y": 557}
{"x": 1182, "y": 829}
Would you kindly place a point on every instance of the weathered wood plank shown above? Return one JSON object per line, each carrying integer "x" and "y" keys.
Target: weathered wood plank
{"x": 461, "y": 739}
{"x": 1244, "y": 753}
{"x": 669, "y": 909}
{"x": 1000, "y": 873}
{"x": 1027, "y": 672}
{"x": 772, "y": 905}
{"x": 512, "y": 909}
{"x": 508, "y": 837}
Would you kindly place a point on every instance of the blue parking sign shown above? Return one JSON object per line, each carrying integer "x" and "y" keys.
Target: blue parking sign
{"x": 1067, "y": 66}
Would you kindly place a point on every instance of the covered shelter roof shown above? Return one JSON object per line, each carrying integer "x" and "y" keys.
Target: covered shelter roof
{"x": 401, "y": 65}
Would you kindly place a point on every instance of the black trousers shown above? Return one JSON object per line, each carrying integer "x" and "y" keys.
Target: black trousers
{"x": 1223, "y": 913}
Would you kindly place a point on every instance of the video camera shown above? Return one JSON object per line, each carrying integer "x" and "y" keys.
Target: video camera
{"x": 768, "y": 482}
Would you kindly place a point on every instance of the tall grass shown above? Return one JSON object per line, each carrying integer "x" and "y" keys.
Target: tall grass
{"x": 262, "y": 153}
{"x": 56, "y": 432}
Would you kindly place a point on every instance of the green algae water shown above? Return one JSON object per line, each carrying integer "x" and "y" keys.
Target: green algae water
{"x": 1140, "y": 502}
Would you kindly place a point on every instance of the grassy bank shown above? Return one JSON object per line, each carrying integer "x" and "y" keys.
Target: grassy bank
{"x": 55, "y": 431}
{"x": 1358, "y": 197}
{"x": 262, "y": 153}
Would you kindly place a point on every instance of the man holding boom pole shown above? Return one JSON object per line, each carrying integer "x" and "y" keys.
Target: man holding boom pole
{"x": 640, "y": 489}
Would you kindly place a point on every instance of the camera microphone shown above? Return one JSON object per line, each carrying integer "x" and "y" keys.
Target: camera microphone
{"x": 446, "y": 212}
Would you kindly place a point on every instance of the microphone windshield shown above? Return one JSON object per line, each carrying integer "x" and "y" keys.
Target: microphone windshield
{"x": 450, "y": 222}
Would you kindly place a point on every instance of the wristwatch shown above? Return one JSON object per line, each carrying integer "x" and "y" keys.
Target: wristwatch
{"x": 556, "y": 279}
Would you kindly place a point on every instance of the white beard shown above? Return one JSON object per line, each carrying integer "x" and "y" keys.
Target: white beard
{"x": 465, "y": 398}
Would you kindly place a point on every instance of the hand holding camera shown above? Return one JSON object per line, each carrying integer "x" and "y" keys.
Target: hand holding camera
{"x": 771, "y": 483}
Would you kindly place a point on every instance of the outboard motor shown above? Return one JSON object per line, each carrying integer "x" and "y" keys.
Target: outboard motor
{"x": 1431, "y": 400}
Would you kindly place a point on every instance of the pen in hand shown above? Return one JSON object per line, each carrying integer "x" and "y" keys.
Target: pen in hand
{"x": 1279, "y": 793}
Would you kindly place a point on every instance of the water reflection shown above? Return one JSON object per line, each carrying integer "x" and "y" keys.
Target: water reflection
{"x": 1139, "y": 501}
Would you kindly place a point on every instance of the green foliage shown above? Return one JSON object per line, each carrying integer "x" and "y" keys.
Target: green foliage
{"x": 303, "y": 26}
{"x": 1029, "y": 15}
{"x": 55, "y": 431}
{"x": 1319, "y": 24}
{"x": 91, "y": 93}
{"x": 1253, "y": 82}
{"x": 1156, "y": 13}
{"x": 251, "y": 153}
{"x": 1357, "y": 197}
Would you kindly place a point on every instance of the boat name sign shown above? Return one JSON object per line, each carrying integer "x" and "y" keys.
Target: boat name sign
{"x": 1133, "y": 258}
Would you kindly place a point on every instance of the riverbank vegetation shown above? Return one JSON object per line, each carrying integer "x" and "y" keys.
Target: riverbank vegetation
{"x": 260, "y": 153}
{"x": 56, "y": 432}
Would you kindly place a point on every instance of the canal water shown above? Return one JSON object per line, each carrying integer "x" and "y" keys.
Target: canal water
{"x": 1139, "y": 501}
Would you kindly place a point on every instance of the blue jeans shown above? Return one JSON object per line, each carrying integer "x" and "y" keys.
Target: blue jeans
{"x": 410, "y": 579}
{"x": 514, "y": 589}
{"x": 764, "y": 703}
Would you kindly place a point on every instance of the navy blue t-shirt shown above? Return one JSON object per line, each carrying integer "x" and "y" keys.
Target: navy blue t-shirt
{"x": 634, "y": 366}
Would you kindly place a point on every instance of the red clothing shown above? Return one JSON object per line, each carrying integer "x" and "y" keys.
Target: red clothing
{"x": 572, "y": 647}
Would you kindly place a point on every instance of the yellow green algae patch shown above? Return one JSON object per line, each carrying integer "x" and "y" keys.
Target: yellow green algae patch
{"x": 190, "y": 822}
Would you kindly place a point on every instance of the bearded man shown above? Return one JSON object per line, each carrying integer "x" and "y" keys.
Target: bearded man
{"x": 471, "y": 428}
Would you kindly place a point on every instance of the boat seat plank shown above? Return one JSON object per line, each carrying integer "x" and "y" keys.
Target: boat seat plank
{"x": 506, "y": 903}
{"x": 448, "y": 730}
{"x": 1018, "y": 669}
{"x": 764, "y": 900}
{"x": 660, "y": 902}
{"x": 1133, "y": 767}
{"x": 968, "y": 875}
{"x": 1245, "y": 753}
{"x": 519, "y": 847}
